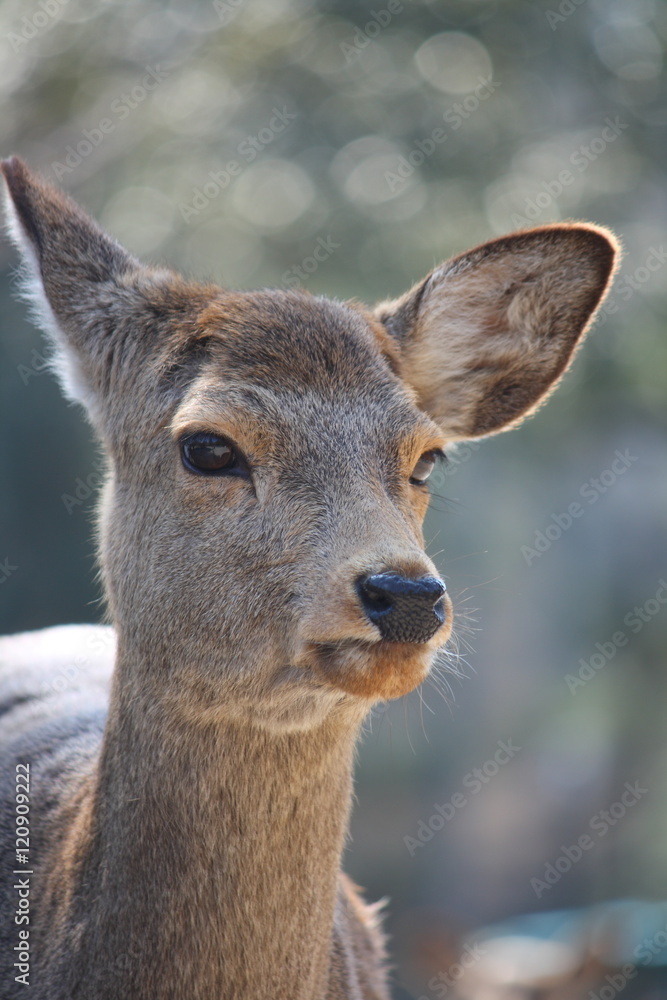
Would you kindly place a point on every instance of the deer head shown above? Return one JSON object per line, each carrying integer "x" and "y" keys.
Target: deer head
{"x": 260, "y": 529}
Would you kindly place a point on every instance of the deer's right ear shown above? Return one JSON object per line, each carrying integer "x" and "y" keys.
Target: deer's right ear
{"x": 92, "y": 298}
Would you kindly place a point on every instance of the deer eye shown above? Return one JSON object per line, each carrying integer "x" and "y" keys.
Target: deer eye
{"x": 211, "y": 455}
{"x": 424, "y": 468}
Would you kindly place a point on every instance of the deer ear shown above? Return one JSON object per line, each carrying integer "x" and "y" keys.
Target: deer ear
{"x": 93, "y": 299}
{"x": 486, "y": 336}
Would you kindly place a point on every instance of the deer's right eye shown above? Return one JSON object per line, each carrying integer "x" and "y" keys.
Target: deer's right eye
{"x": 211, "y": 455}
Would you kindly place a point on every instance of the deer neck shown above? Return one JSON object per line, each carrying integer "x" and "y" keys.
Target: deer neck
{"x": 212, "y": 854}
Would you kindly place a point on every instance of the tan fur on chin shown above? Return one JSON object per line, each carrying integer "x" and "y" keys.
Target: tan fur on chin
{"x": 381, "y": 672}
{"x": 376, "y": 671}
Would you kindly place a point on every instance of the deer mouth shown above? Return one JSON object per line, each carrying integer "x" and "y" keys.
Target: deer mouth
{"x": 371, "y": 670}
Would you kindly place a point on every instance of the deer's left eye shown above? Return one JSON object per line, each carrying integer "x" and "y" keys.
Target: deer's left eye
{"x": 424, "y": 468}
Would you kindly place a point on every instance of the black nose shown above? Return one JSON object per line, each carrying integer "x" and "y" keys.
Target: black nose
{"x": 404, "y": 610}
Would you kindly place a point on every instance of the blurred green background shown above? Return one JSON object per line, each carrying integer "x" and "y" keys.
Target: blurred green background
{"x": 232, "y": 140}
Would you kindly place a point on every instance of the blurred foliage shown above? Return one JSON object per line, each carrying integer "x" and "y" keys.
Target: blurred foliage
{"x": 349, "y": 147}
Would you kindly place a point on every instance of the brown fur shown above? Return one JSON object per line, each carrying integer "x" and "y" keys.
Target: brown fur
{"x": 190, "y": 843}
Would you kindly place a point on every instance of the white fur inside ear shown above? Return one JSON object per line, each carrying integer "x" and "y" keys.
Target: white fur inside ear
{"x": 487, "y": 336}
{"x": 63, "y": 361}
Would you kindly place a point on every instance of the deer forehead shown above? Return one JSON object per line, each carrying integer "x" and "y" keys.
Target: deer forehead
{"x": 291, "y": 340}
{"x": 286, "y": 368}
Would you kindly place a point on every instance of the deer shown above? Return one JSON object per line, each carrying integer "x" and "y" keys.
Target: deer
{"x": 263, "y": 563}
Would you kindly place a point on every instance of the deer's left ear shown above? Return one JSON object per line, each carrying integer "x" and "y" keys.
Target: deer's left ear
{"x": 486, "y": 336}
